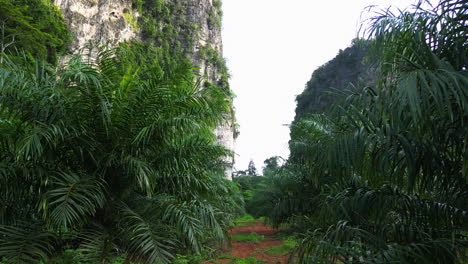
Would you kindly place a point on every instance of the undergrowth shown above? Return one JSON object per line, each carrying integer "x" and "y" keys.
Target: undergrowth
{"x": 284, "y": 249}
{"x": 188, "y": 259}
{"x": 251, "y": 237}
{"x": 247, "y": 218}
{"x": 249, "y": 260}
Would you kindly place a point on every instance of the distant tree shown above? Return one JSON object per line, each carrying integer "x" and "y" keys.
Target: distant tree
{"x": 271, "y": 162}
{"x": 271, "y": 165}
{"x": 239, "y": 173}
{"x": 252, "y": 170}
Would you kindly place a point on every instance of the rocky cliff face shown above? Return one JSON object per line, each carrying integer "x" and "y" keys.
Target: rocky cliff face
{"x": 197, "y": 27}
{"x": 96, "y": 21}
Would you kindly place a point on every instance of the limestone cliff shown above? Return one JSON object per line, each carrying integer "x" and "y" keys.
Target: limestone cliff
{"x": 195, "y": 25}
{"x": 94, "y": 20}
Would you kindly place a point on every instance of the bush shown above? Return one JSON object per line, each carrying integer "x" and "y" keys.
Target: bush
{"x": 245, "y": 219}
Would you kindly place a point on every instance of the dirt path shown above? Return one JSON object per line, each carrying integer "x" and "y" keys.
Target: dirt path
{"x": 249, "y": 249}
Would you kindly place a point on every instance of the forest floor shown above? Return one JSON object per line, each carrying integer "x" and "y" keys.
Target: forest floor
{"x": 255, "y": 242}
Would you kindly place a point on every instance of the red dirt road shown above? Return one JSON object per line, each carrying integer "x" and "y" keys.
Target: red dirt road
{"x": 244, "y": 249}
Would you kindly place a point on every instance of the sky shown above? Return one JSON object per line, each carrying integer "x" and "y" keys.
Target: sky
{"x": 272, "y": 47}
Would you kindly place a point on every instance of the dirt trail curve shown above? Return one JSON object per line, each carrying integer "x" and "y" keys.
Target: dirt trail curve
{"x": 248, "y": 249}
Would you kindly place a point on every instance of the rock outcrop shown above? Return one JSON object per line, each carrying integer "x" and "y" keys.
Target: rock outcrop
{"x": 97, "y": 21}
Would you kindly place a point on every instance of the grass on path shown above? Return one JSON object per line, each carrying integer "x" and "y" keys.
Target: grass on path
{"x": 250, "y": 237}
{"x": 283, "y": 250}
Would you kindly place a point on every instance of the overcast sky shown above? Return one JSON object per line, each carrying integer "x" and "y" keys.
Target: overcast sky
{"x": 272, "y": 47}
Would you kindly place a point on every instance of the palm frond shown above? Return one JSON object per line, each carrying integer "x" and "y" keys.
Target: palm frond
{"x": 71, "y": 198}
{"x": 146, "y": 240}
{"x": 25, "y": 243}
{"x": 97, "y": 245}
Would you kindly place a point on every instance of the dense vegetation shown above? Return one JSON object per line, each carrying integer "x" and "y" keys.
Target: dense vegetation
{"x": 34, "y": 26}
{"x": 97, "y": 159}
{"x": 381, "y": 177}
{"x": 251, "y": 181}
{"x": 111, "y": 159}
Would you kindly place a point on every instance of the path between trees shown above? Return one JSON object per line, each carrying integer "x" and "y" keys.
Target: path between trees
{"x": 260, "y": 250}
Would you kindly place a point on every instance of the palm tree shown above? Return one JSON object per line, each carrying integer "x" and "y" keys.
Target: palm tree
{"x": 391, "y": 160}
{"x": 398, "y": 151}
{"x": 96, "y": 158}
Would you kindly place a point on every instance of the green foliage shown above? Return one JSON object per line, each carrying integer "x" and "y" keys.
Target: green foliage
{"x": 252, "y": 170}
{"x": 24, "y": 243}
{"x": 248, "y": 195}
{"x": 145, "y": 59}
{"x": 188, "y": 259}
{"x": 214, "y": 18}
{"x": 252, "y": 185}
{"x": 164, "y": 25}
{"x": 250, "y": 237}
{"x": 37, "y": 26}
{"x": 131, "y": 19}
{"x": 225, "y": 256}
{"x": 213, "y": 57}
{"x": 108, "y": 159}
{"x": 247, "y": 184}
{"x": 248, "y": 260}
{"x": 217, "y": 4}
{"x": 283, "y": 195}
{"x": 215, "y": 14}
{"x": 284, "y": 249}
{"x": 381, "y": 176}
{"x": 71, "y": 256}
{"x": 272, "y": 165}
{"x": 245, "y": 219}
